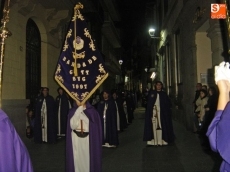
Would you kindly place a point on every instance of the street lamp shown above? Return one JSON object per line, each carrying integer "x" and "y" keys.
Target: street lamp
{"x": 153, "y": 75}
{"x": 152, "y": 33}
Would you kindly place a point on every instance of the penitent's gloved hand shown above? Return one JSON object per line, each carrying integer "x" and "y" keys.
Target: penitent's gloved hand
{"x": 222, "y": 72}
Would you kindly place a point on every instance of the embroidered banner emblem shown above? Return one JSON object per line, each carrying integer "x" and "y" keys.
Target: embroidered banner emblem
{"x": 80, "y": 68}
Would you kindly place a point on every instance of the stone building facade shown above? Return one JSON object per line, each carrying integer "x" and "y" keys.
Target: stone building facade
{"x": 51, "y": 18}
{"x": 191, "y": 44}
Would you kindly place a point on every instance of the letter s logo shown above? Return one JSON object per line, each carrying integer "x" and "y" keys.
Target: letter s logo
{"x": 215, "y": 8}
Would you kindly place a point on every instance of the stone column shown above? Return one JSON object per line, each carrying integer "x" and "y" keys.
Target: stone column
{"x": 214, "y": 33}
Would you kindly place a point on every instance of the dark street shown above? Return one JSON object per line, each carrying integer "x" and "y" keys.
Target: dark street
{"x": 132, "y": 155}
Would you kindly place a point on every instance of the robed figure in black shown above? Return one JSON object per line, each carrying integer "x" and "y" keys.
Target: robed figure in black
{"x": 121, "y": 116}
{"x": 158, "y": 128}
{"x": 130, "y": 106}
{"x": 45, "y": 118}
{"x": 62, "y": 106}
{"x": 108, "y": 114}
{"x": 210, "y": 110}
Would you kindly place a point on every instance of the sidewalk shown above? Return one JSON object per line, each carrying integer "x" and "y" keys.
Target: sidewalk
{"x": 132, "y": 155}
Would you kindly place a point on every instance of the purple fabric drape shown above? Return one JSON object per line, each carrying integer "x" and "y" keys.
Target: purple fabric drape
{"x": 14, "y": 156}
{"x": 219, "y": 138}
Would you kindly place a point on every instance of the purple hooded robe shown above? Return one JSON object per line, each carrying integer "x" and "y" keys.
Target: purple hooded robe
{"x": 64, "y": 110}
{"x": 14, "y": 156}
{"x": 219, "y": 138}
{"x": 165, "y": 115}
{"x": 95, "y": 140}
{"x": 111, "y": 122}
{"x": 51, "y": 120}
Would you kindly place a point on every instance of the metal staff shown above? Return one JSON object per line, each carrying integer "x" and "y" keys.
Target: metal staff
{"x": 4, "y": 33}
{"x": 227, "y": 22}
{"x": 75, "y": 55}
{"x": 227, "y": 17}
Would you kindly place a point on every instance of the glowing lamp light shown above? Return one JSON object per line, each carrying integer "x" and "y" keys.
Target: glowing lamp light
{"x": 152, "y": 32}
{"x": 153, "y": 75}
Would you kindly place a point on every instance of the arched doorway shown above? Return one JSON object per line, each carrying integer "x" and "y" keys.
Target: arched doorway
{"x": 33, "y": 60}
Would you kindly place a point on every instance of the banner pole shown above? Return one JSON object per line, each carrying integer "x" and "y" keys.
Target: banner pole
{"x": 4, "y": 33}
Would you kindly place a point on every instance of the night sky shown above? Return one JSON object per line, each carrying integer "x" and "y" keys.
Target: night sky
{"x": 132, "y": 20}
